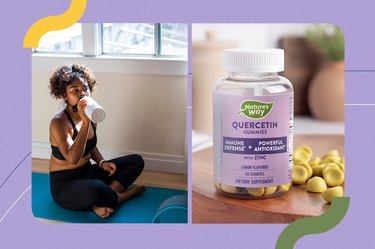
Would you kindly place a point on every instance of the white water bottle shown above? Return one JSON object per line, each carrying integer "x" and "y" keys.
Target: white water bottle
{"x": 94, "y": 111}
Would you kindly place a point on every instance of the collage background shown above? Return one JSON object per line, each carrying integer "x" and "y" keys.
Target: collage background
{"x": 19, "y": 228}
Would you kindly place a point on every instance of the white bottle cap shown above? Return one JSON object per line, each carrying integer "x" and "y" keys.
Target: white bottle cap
{"x": 244, "y": 60}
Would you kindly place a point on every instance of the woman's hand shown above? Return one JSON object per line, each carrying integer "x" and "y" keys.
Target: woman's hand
{"x": 109, "y": 167}
{"x": 81, "y": 106}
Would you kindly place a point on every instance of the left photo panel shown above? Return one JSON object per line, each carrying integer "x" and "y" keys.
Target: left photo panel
{"x": 109, "y": 124}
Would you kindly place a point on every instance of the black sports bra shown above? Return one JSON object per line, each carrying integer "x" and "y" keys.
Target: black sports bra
{"x": 90, "y": 143}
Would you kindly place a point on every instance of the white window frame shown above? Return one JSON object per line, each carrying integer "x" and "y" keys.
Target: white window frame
{"x": 91, "y": 39}
{"x": 93, "y": 57}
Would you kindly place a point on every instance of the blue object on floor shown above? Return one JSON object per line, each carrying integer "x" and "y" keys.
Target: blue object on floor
{"x": 141, "y": 209}
{"x": 172, "y": 210}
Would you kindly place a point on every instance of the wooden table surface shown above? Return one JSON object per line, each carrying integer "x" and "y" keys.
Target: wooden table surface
{"x": 209, "y": 206}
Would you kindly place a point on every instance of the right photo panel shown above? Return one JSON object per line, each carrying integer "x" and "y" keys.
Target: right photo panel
{"x": 267, "y": 121}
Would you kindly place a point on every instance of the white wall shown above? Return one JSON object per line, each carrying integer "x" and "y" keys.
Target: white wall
{"x": 146, "y": 114}
{"x": 255, "y": 36}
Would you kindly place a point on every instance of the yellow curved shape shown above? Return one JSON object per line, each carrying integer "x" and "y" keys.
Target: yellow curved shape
{"x": 51, "y": 23}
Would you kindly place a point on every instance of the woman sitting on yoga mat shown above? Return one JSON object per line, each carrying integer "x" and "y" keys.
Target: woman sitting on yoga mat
{"x": 75, "y": 183}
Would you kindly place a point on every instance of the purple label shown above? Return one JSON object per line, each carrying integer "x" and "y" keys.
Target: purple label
{"x": 253, "y": 140}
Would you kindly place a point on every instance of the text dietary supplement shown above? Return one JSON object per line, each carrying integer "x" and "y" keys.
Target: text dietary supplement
{"x": 253, "y": 125}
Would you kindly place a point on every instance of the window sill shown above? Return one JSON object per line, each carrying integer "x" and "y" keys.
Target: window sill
{"x": 115, "y": 64}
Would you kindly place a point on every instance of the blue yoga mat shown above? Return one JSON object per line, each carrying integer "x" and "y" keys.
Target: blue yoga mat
{"x": 140, "y": 209}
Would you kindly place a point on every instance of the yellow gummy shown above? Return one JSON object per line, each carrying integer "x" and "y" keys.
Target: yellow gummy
{"x": 333, "y": 176}
{"x": 217, "y": 185}
{"x": 302, "y": 155}
{"x": 305, "y": 148}
{"x": 317, "y": 170}
{"x": 328, "y": 166}
{"x": 315, "y": 161}
{"x": 284, "y": 187}
{"x": 255, "y": 191}
{"x": 308, "y": 168}
{"x": 299, "y": 174}
{"x": 298, "y": 161}
{"x": 316, "y": 185}
{"x": 331, "y": 159}
{"x": 341, "y": 166}
{"x": 270, "y": 190}
{"x": 333, "y": 192}
{"x": 333, "y": 153}
{"x": 229, "y": 189}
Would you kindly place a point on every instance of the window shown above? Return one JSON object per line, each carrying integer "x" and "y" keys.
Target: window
{"x": 147, "y": 39}
{"x": 174, "y": 38}
{"x": 68, "y": 40}
{"x": 128, "y": 38}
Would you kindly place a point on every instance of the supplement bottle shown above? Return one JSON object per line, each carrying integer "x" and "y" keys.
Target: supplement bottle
{"x": 253, "y": 125}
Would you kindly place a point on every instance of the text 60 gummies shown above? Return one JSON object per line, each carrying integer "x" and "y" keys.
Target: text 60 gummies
{"x": 253, "y": 125}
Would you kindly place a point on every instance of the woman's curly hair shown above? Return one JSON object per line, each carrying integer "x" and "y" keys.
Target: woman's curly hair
{"x": 64, "y": 75}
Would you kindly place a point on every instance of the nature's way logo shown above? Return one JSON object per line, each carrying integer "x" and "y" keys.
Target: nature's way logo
{"x": 255, "y": 109}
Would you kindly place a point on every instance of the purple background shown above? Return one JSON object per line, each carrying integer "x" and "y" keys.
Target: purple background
{"x": 19, "y": 229}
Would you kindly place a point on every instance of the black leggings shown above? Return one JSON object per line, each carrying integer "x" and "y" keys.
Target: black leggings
{"x": 87, "y": 186}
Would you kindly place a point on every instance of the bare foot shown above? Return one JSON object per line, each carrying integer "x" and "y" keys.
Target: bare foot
{"x": 130, "y": 193}
{"x": 103, "y": 212}
{"x": 137, "y": 190}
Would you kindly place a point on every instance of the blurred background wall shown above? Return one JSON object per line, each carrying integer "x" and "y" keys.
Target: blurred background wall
{"x": 249, "y": 35}
{"x": 303, "y": 61}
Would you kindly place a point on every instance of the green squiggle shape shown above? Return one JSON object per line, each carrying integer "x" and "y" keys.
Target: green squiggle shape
{"x": 313, "y": 225}
{"x": 50, "y": 23}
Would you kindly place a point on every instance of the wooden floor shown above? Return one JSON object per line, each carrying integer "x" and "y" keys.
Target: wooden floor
{"x": 148, "y": 178}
